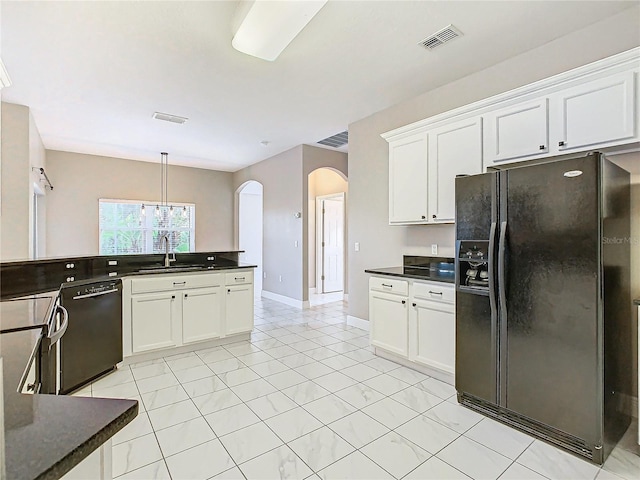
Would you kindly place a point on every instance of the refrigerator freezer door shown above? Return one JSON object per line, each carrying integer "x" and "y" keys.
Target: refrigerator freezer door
{"x": 551, "y": 283}
{"x": 476, "y": 320}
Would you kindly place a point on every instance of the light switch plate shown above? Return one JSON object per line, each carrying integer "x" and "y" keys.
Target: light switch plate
{"x": 356, "y": 246}
{"x": 434, "y": 249}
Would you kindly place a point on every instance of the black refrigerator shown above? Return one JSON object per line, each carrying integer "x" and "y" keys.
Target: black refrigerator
{"x": 543, "y": 304}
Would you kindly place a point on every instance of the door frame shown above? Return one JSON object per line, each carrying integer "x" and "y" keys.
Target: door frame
{"x": 320, "y": 234}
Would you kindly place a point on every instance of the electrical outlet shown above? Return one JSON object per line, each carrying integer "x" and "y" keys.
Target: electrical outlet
{"x": 356, "y": 246}
{"x": 264, "y": 274}
{"x": 279, "y": 278}
{"x": 295, "y": 244}
{"x": 434, "y": 249}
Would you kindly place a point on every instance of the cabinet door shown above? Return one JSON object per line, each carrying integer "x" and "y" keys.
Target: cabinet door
{"x": 433, "y": 328}
{"x": 516, "y": 132}
{"x": 596, "y": 113}
{"x": 408, "y": 180}
{"x": 201, "y": 312}
{"x": 152, "y": 321}
{"x": 389, "y": 322}
{"x": 455, "y": 149}
{"x": 239, "y": 309}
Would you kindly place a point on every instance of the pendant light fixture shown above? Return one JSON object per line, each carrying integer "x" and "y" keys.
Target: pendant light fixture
{"x": 164, "y": 195}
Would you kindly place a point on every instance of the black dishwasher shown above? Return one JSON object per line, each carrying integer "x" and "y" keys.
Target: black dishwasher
{"x": 92, "y": 344}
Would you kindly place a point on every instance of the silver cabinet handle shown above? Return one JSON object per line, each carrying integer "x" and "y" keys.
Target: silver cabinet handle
{"x": 435, "y": 293}
{"x": 97, "y": 294}
{"x": 179, "y": 283}
{"x": 238, "y": 279}
{"x": 387, "y": 285}
{"x": 57, "y": 335}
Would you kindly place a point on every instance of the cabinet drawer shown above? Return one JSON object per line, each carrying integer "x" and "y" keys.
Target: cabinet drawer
{"x": 389, "y": 285}
{"x": 434, "y": 292}
{"x": 174, "y": 282}
{"x": 237, "y": 278}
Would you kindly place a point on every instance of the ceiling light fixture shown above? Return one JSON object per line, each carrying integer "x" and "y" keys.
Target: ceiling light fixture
{"x": 163, "y": 205}
{"x": 167, "y": 117}
{"x": 265, "y": 28}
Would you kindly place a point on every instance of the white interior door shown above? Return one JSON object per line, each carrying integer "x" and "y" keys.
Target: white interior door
{"x": 332, "y": 243}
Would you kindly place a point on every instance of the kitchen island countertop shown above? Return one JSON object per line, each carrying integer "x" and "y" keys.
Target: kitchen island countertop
{"x": 45, "y": 436}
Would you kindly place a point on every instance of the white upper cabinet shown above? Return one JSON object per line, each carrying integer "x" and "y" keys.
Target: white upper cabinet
{"x": 596, "y": 114}
{"x": 517, "y": 132}
{"x": 593, "y": 107}
{"x": 454, "y": 149}
{"x": 408, "y": 179}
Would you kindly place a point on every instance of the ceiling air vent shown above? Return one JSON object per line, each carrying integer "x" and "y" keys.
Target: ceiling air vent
{"x": 169, "y": 118}
{"x": 441, "y": 36}
{"x": 337, "y": 140}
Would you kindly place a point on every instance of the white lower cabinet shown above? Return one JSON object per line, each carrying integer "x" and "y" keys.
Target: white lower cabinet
{"x": 201, "y": 314}
{"x": 239, "y": 309}
{"x": 419, "y": 326}
{"x": 153, "y": 317}
{"x": 389, "y": 320}
{"x": 165, "y": 311}
{"x": 434, "y": 340}
{"x": 97, "y": 466}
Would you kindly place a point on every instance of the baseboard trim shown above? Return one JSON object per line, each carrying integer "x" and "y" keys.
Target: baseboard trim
{"x": 286, "y": 300}
{"x": 358, "y": 322}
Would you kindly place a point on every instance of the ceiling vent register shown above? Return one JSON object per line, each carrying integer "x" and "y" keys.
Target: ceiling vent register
{"x": 337, "y": 140}
{"x": 447, "y": 34}
{"x": 167, "y": 117}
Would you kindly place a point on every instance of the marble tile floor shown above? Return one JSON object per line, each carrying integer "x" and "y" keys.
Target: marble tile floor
{"x": 306, "y": 398}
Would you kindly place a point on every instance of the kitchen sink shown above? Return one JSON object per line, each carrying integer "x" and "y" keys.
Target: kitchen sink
{"x": 177, "y": 268}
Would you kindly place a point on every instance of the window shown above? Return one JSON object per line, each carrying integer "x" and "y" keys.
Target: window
{"x": 125, "y": 229}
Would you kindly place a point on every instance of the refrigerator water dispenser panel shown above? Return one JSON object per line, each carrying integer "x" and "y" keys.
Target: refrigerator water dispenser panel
{"x": 473, "y": 264}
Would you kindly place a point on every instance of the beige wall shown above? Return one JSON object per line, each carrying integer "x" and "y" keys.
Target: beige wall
{"x": 383, "y": 245}
{"x": 80, "y": 180}
{"x": 631, "y": 162}
{"x": 280, "y": 177}
{"x": 37, "y": 159}
{"x": 285, "y": 191}
{"x": 22, "y": 149}
{"x": 323, "y": 181}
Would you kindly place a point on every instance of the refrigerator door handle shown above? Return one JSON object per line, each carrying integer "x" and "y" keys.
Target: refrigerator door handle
{"x": 501, "y": 270}
{"x": 492, "y": 281}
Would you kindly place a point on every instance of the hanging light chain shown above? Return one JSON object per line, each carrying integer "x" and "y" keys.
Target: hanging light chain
{"x": 164, "y": 189}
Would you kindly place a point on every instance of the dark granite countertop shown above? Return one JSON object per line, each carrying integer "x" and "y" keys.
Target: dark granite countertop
{"x": 435, "y": 269}
{"x": 19, "y": 278}
{"x": 408, "y": 272}
{"x": 156, "y": 270}
{"x": 636, "y": 301}
{"x": 45, "y": 436}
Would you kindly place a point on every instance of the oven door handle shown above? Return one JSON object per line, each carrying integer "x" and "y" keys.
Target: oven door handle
{"x": 57, "y": 335}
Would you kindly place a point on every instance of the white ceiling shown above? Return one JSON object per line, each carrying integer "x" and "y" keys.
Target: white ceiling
{"x": 93, "y": 73}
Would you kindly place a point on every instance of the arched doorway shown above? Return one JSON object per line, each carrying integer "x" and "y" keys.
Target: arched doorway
{"x": 250, "y": 205}
{"x": 327, "y": 253}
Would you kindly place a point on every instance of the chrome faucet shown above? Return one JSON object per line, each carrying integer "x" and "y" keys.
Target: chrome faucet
{"x": 167, "y": 260}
